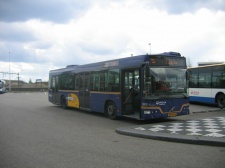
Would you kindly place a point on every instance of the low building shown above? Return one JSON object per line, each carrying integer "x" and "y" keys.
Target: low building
{"x": 209, "y": 63}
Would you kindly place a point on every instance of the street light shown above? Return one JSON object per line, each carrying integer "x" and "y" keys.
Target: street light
{"x": 9, "y": 75}
{"x": 150, "y": 48}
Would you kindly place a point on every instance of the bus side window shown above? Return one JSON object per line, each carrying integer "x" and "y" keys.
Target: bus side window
{"x": 94, "y": 81}
{"x": 113, "y": 80}
{"x": 77, "y": 81}
{"x": 66, "y": 82}
{"x": 204, "y": 78}
{"x": 193, "y": 79}
{"x": 218, "y": 80}
{"x": 50, "y": 83}
{"x": 102, "y": 83}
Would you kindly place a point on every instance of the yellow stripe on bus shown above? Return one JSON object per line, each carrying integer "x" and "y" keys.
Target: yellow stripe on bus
{"x": 160, "y": 109}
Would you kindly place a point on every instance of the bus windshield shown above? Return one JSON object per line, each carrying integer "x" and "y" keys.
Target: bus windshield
{"x": 165, "y": 82}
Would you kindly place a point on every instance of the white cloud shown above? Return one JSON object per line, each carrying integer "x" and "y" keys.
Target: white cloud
{"x": 118, "y": 29}
{"x": 26, "y": 71}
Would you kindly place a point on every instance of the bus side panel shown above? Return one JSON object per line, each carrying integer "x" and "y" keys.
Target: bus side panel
{"x": 54, "y": 97}
{"x": 202, "y": 99}
{"x": 98, "y": 99}
{"x": 202, "y": 95}
{"x": 50, "y": 95}
{"x": 72, "y": 98}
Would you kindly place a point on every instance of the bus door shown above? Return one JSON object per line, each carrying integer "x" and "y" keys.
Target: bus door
{"x": 55, "y": 84}
{"x": 84, "y": 91}
{"x": 131, "y": 100}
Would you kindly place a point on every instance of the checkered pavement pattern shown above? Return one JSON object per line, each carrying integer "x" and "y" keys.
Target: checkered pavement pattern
{"x": 211, "y": 127}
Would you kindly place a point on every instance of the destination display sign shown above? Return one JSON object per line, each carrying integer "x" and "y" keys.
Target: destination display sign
{"x": 167, "y": 61}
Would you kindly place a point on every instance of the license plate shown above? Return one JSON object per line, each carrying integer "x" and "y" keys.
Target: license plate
{"x": 172, "y": 114}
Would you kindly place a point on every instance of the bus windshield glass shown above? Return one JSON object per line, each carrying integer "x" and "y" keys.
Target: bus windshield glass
{"x": 165, "y": 82}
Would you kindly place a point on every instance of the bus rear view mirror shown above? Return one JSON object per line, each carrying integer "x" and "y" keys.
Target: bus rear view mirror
{"x": 147, "y": 71}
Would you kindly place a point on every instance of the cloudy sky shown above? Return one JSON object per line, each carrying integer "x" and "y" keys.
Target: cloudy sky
{"x": 40, "y": 35}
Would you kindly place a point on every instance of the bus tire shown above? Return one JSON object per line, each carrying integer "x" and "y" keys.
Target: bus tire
{"x": 220, "y": 100}
{"x": 111, "y": 110}
{"x": 63, "y": 102}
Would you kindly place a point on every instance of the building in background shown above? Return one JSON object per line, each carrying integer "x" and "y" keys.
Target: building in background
{"x": 209, "y": 63}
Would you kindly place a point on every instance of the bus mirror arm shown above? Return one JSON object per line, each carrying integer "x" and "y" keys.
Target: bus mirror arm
{"x": 147, "y": 73}
{"x": 187, "y": 75}
{"x": 147, "y": 70}
{"x": 185, "y": 95}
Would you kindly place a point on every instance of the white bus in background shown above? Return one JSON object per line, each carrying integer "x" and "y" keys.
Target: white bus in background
{"x": 207, "y": 84}
{"x": 2, "y": 86}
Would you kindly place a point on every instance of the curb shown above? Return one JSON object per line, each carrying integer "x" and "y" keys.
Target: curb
{"x": 181, "y": 138}
{"x": 206, "y": 111}
{"x": 199, "y": 140}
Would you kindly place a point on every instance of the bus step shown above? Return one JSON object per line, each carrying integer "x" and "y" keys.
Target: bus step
{"x": 134, "y": 115}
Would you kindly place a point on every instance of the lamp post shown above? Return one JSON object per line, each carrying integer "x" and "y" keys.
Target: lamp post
{"x": 150, "y": 47}
{"x": 9, "y": 75}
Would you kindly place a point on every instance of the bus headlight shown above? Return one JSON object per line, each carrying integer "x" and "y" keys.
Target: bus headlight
{"x": 155, "y": 111}
{"x": 147, "y": 112}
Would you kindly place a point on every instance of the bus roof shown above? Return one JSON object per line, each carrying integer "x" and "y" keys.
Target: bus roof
{"x": 111, "y": 64}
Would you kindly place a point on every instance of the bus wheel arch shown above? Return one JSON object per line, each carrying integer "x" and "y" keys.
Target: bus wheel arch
{"x": 220, "y": 100}
{"x": 110, "y": 109}
{"x": 63, "y": 102}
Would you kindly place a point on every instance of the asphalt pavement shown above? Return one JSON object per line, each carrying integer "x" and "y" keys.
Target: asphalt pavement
{"x": 205, "y": 129}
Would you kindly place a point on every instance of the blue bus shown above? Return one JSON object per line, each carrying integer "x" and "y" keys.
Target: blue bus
{"x": 141, "y": 87}
{"x": 2, "y": 86}
{"x": 207, "y": 84}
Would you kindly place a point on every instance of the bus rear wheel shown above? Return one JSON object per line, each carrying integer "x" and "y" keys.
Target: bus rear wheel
{"x": 111, "y": 110}
{"x": 221, "y": 101}
{"x": 63, "y": 102}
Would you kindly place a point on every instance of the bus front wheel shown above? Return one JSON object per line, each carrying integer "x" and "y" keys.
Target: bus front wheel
{"x": 111, "y": 110}
{"x": 63, "y": 102}
{"x": 221, "y": 101}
